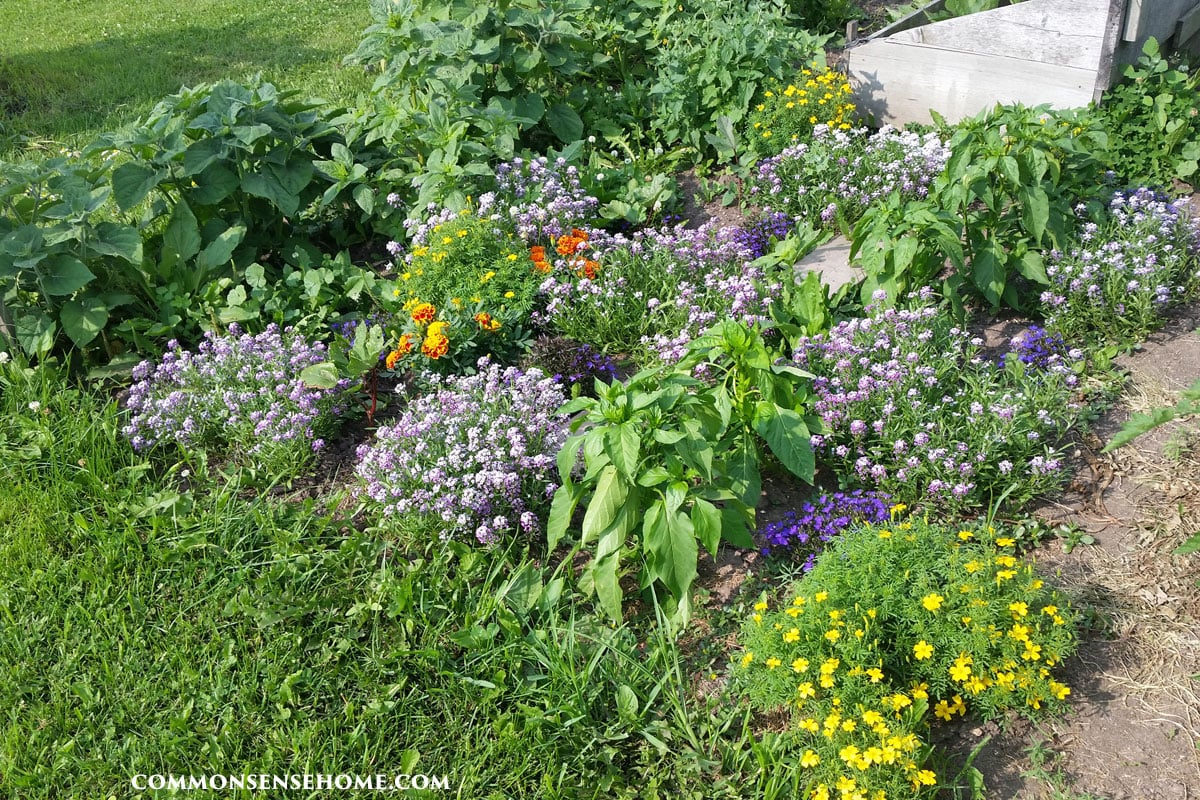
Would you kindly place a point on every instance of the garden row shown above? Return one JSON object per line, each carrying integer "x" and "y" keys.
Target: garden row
{"x": 577, "y": 371}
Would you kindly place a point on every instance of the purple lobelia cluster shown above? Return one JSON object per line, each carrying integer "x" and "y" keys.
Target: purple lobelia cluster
{"x": 758, "y": 233}
{"x": 1124, "y": 273}
{"x": 842, "y": 173}
{"x": 804, "y": 532}
{"x": 477, "y": 453}
{"x": 238, "y": 391}
{"x": 912, "y": 409}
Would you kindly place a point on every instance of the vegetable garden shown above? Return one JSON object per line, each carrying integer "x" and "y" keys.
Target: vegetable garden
{"x": 419, "y": 432}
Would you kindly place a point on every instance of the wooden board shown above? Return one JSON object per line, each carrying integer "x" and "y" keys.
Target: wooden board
{"x": 1059, "y": 32}
{"x": 899, "y": 82}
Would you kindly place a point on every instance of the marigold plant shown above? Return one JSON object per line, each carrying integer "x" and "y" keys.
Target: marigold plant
{"x": 787, "y": 115}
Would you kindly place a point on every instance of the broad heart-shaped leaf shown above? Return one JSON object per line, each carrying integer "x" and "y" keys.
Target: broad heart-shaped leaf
{"x": 788, "y": 437}
{"x": 623, "y": 446}
{"x": 670, "y": 544}
{"x": 181, "y": 240}
{"x": 1033, "y": 267}
{"x": 213, "y": 185}
{"x": 35, "y": 333}
{"x": 607, "y": 500}
{"x": 987, "y": 271}
{"x": 62, "y": 274}
{"x": 84, "y": 318}
{"x": 131, "y": 182}
{"x": 564, "y": 122}
{"x": 122, "y": 241}
{"x": 220, "y": 250}
{"x": 529, "y": 108}
{"x": 706, "y": 521}
{"x": 364, "y": 197}
{"x": 320, "y": 376}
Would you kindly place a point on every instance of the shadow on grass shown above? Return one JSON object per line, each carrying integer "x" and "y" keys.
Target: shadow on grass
{"x": 59, "y": 92}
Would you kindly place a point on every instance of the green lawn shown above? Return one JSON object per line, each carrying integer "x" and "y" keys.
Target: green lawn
{"x": 70, "y": 70}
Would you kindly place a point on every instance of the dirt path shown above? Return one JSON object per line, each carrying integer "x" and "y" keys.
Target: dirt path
{"x": 1134, "y": 724}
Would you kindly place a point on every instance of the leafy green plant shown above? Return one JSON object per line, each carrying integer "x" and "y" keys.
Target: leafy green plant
{"x": 859, "y": 657}
{"x": 661, "y": 451}
{"x": 1006, "y": 196}
{"x": 227, "y": 176}
{"x": 63, "y": 263}
{"x": 1153, "y": 121}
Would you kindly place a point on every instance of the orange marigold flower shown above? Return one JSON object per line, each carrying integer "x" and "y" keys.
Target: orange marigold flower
{"x": 589, "y": 269}
{"x": 435, "y": 347}
{"x": 392, "y": 358}
{"x": 487, "y": 322}
{"x": 537, "y": 253}
{"x": 405, "y": 345}
{"x": 424, "y": 313}
{"x": 569, "y": 244}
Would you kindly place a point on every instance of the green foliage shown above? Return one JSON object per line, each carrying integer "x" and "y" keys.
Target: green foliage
{"x": 227, "y": 179}
{"x": 1153, "y": 121}
{"x": 862, "y": 654}
{"x": 63, "y": 265}
{"x": 464, "y": 84}
{"x": 661, "y": 451}
{"x": 1006, "y": 196}
{"x": 786, "y": 115}
{"x": 824, "y": 16}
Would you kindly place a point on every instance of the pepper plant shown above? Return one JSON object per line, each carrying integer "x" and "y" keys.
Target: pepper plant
{"x": 671, "y": 462}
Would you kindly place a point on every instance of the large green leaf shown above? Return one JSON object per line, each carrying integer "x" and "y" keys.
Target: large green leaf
{"x": 987, "y": 271}
{"x": 706, "y": 521}
{"x": 1035, "y": 211}
{"x": 181, "y": 240}
{"x": 607, "y": 500}
{"x": 35, "y": 333}
{"x": 623, "y": 446}
{"x": 62, "y": 274}
{"x": 788, "y": 437}
{"x": 220, "y": 250}
{"x": 564, "y": 122}
{"x": 131, "y": 182}
{"x": 122, "y": 241}
{"x": 84, "y": 318}
{"x": 562, "y": 508}
{"x": 213, "y": 185}
{"x": 670, "y": 543}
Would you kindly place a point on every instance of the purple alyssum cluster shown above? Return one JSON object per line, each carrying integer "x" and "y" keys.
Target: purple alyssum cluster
{"x": 239, "y": 391}
{"x": 805, "y": 531}
{"x": 477, "y": 453}
{"x": 842, "y": 173}
{"x": 538, "y": 198}
{"x": 1040, "y": 349}
{"x": 674, "y": 282}
{"x": 1125, "y": 272}
{"x": 911, "y": 408}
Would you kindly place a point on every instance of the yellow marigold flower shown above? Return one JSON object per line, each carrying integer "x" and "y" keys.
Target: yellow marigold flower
{"x": 1033, "y": 652}
{"x": 806, "y": 690}
{"x": 846, "y": 785}
{"x": 960, "y": 672}
{"x": 875, "y": 674}
{"x": 395, "y": 292}
{"x": 773, "y": 662}
{"x": 1019, "y": 632}
{"x": 932, "y": 602}
{"x": 462, "y": 233}
{"x": 794, "y": 612}
{"x": 922, "y": 650}
{"x": 1058, "y": 620}
{"x": 809, "y": 759}
{"x": 437, "y": 328}
{"x": 509, "y": 295}
{"x": 885, "y": 534}
{"x": 792, "y": 636}
{"x": 800, "y": 665}
{"x": 1006, "y": 561}
{"x": 821, "y": 597}
{"x": 820, "y": 793}
{"x": 512, "y": 256}
{"x": 447, "y": 240}
{"x": 942, "y": 711}
{"x": 747, "y": 658}
{"x": 1019, "y": 609}
{"x": 1059, "y": 690}
{"x": 487, "y": 276}
{"x": 972, "y": 567}
{"x": 809, "y": 724}
{"x": 761, "y": 605}
{"x": 899, "y": 701}
{"x": 827, "y": 682}
{"x": 965, "y": 535}
{"x": 926, "y": 777}
{"x": 1005, "y": 574}
{"x": 1005, "y": 541}
{"x": 829, "y": 666}
{"x": 1036, "y": 583}
{"x": 849, "y": 753}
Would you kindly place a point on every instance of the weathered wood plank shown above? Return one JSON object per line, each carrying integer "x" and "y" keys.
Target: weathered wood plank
{"x": 899, "y": 82}
{"x": 1188, "y": 26}
{"x": 1062, "y": 32}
